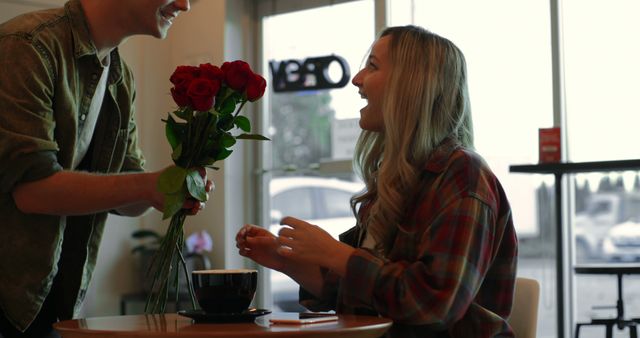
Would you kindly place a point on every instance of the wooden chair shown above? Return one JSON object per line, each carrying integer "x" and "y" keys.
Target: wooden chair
{"x": 524, "y": 313}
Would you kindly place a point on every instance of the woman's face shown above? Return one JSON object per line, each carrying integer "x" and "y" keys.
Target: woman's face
{"x": 371, "y": 82}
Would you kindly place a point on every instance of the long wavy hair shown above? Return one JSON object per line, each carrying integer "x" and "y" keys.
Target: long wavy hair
{"x": 426, "y": 100}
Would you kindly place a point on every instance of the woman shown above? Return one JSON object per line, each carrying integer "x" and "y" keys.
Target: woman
{"x": 435, "y": 247}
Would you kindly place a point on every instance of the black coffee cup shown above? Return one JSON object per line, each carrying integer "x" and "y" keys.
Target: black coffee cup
{"x": 225, "y": 291}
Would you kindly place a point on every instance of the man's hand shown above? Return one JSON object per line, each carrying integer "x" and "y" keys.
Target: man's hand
{"x": 192, "y": 204}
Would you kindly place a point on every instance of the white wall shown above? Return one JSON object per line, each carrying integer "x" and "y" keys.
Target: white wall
{"x": 196, "y": 37}
{"x": 11, "y": 8}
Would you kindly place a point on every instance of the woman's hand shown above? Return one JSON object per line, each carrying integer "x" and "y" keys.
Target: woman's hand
{"x": 308, "y": 243}
{"x": 260, "y": 245}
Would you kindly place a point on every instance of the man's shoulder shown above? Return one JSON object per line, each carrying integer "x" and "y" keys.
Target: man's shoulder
{"x": 32, "y": 23}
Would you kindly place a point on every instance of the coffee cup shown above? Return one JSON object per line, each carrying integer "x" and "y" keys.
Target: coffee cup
{"x": 225, "y": 290}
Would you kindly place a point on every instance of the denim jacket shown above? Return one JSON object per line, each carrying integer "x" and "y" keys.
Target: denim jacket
{"x": 49, "y": 70}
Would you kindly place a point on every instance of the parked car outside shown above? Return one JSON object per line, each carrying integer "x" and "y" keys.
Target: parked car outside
{"x": 603, "y": 211}
{"x": 622, "y": 243}
{"x": 317, "y": 200}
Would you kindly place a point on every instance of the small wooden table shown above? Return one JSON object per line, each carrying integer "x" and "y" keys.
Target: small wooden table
{"x": 174, "y": 325}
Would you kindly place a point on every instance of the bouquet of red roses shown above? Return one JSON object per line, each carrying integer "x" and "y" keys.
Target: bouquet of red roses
{"x": 209, "y": 100}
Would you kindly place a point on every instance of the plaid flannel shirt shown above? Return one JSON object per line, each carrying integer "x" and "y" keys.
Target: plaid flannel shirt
{"x": 451, "y": 270}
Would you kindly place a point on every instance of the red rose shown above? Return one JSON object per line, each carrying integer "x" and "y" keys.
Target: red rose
{"x": 181, "y": 79}
{"x": 211, "y": 72}
{"x": 201, "y": 92}
{"x": 237, "y": 74}
{"x": 255, "y": 87}
{"x": 183, "y": 75}
{"x": 180, "y": 96}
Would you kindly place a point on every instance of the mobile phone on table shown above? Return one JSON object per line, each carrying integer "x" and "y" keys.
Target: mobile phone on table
{"x": 302, "y": 317}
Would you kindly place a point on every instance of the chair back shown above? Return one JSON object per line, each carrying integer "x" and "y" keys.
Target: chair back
{"x": 524, "y": 313}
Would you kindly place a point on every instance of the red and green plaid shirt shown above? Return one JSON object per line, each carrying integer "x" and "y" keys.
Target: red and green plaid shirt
{"x": 451, "y": 270}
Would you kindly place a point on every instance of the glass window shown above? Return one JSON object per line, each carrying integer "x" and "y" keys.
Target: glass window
{"x": 336, "y": 202}
{"x": 311, "y": 128}
{"x": 601, "y": 71}
{"x": 302, "y": 122}
{"x": 601, "y": 78}
{"x": 507, "y": 47}
{"x": 296, "y": 202}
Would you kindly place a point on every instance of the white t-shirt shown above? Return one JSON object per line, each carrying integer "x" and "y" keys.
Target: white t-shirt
{"x": 85, "y": 136}
{"x": 369, "y": 242}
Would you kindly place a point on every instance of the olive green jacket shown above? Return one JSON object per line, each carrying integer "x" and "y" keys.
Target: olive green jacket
{"x": 49, "y": 70}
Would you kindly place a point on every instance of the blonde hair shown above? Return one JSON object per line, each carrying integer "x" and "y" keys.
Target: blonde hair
{"x": 426, "y": 100}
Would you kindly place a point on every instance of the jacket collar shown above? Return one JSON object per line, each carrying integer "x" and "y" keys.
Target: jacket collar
{"x": 81, "y": 37}
{"x": 83, "y": 44}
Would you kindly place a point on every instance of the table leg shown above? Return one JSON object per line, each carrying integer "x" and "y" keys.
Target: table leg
{"x": 619, "y": 303}
{"x": 560, "y": 306}
{"x": 609, "y": 333}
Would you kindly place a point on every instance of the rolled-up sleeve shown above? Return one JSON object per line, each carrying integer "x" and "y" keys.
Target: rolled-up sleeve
{"x": 437, "y": 288}
{"x": 134, "y": 159}
{"x": 327, "y": 300}
{"x": 28, "y": 150}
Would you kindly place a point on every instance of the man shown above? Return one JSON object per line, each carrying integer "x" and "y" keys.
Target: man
{"x": 68, "y": 151}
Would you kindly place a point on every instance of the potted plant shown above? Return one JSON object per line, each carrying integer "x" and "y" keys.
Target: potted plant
{"x": 148, "y": 245}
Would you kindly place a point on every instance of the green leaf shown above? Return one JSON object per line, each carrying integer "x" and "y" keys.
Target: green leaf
{"x": 196, "y": 186}
{"x": 243, "y": 123}
{"x": 174, "y": 132}
{"x": 256, "y": 137}
{"x": 207, "y": 161}
{"x": 171, "y": 180}
{"x": 204, "y": 157}
{"x": 177, "y": 152}
{"x": 173, "y": 203}
{"x": 225, "y": 122}
{"x": 184, "y": 113}
{"x": 228, "y": 140}
{"x": 228, "y": 106}
{"x": 238, "y": 97}
{"x": 223, "y": 153}
{"x": 223, "y": 93}
{"x": 213, "y": 124}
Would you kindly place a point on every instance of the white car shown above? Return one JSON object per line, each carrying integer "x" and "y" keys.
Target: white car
{"x": 604, "y": 219}
{"x": 622, "y": 242}
{"x": 317, "y": 200}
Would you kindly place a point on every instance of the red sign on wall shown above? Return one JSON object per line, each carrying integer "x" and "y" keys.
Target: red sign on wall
{"x": 549, "y": 145}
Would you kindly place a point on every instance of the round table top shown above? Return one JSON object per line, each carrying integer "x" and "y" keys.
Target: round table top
{"x": 174, "y": 325}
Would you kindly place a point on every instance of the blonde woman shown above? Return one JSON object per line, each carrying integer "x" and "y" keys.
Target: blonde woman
{"x": 435, "y": 247}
